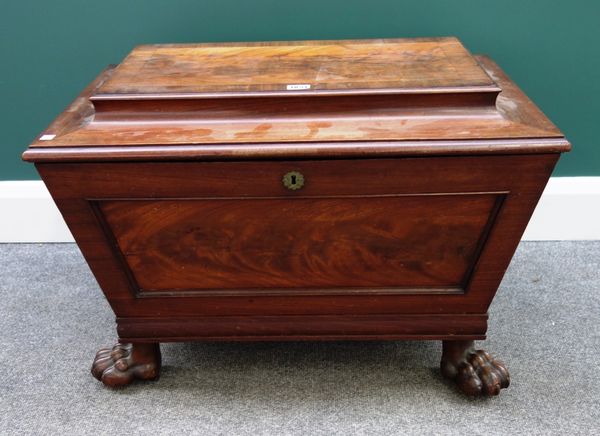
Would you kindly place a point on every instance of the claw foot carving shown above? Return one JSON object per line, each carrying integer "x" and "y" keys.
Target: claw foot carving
{"x": 123, "y": 363}
{"x": 475, "y": 372}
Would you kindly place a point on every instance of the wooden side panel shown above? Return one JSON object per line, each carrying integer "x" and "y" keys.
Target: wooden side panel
{"x": 301, "y": 244}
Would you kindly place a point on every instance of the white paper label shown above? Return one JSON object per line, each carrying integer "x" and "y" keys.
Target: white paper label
{"x": 47, "y": 137}
{"x": 296, "y": 87}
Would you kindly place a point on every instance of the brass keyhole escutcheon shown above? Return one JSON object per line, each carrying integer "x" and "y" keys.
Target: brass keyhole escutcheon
{"x": 293, "y": 180}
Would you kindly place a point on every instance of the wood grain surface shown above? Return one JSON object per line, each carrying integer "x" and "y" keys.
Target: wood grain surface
{"x": 269, "y": 244}
{"x": 427, "y": 63}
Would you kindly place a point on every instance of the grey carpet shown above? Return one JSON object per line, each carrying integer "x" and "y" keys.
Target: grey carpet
{"x": 544, "y": 323}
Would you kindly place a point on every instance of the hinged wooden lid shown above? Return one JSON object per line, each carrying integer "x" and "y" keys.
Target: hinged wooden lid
{"x": 275, "y": 99}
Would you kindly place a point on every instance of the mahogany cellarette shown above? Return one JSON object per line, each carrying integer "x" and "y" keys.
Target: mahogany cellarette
{"x": 312, "y": 190}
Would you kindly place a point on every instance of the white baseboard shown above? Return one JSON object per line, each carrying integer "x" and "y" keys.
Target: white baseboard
{"x": 568, "y": 210}
{"x": 28, "y": 214}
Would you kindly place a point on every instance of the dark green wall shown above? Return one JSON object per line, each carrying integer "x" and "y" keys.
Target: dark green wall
{"x": 51, "y": 49}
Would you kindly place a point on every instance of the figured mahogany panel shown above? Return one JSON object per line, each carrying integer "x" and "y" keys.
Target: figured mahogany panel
{"x": 425, "y": 241}
{"x": 319, "y": 65}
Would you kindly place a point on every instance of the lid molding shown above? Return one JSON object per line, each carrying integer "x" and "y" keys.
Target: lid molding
{"x": 364, "y": 121}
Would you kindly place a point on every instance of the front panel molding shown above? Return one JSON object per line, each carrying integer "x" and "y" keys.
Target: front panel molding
{"x": 142, "y": 293}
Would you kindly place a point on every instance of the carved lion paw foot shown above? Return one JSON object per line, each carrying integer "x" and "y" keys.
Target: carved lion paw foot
{"x": 475, "y": 372}
{"x": 123, "y": 363}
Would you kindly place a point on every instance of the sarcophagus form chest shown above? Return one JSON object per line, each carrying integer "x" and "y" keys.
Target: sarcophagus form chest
{"x": 369, "y": 189}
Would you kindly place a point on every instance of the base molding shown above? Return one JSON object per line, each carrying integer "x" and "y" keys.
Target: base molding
{"x": 303, "y": 327}
{"x": 568, "y": 210}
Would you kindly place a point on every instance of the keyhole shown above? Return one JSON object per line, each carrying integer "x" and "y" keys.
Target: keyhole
{"x": 293, "y": 180}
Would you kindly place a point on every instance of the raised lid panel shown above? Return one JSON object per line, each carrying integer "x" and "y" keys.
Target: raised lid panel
{"x": 390, "y": 124}
{"x": 393, "y": 65}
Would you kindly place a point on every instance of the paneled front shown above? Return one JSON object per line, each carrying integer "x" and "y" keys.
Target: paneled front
{"x": 390, "y": 243}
